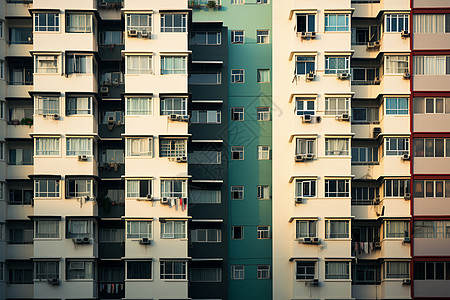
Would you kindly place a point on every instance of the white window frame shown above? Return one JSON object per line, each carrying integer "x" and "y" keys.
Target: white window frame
{"x": 142, "y": 147}
{"x": 136, "y": 183}
{"x": 263, "y": 36}
{"x": 263, "y": 232}
{"x": 311, "y": 228}
{"x": 337, "y": 235}
{"x": 263, "y": 271}
{"x": 263, "y": 113}
{"x": 166, "y": 29}
{"x": 55, "y": 224}
{"x": 83, "y": 28}
{"x": 334, "y": 28}
{"x": 237, "y": 76}
{"x": 396, "y": 60}
{"x": 263, "y": 192}
{"x": 305, "y": 109}
{"x": 211, "y": 235}
{"x": 73, "y": 110}
{"x": 165, "y": 63}
{"x": 138, "y": 70}
{"x": 51, "y": 67}
{"x": 168, "y": 191}
{"x": 394, "y": 141}
{"x": 212, "y": 116}
{"x": 46, "y": 27}
{"x": 337, "y": 111}
{"x": 140, "y": 26}
{"x": 144, "y": 102}
{"x": 302, "y": 185}
{"x": 172, "y": 147}
{"x": 46, "y": 194}
{"x": 43, "y": 152}
{"x": 396, "y": 111}
{"x": 44, "y": 276}
{"x": 240, "y": 150}
{"x": 69, "y": 145}
{"x": 263, "y": 152}
{"x": 332, "y": 149}
{"x": 401, "y": 20}
{"x": 88, "y": 184}
{"x": 237, "y": 36}
{"x": 387, "y": 267}
{"x": 389, "y": 229}
{"x": 173, "y": 102}
{"x": 305, "y": 267}
{"x": 237, "y": 192}
{"x": 309, "y": 146}
{"x": 397, "y": 190}
{"x": 168, "y": 229}
{"x": 141, "y": 232}
{"x": 346, "y": 68}
{"x": 331, "y": 276}
{"x": 237, "y": 272}
{"x": 346, "y": 192}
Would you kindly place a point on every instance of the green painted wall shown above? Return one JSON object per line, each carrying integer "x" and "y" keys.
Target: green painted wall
{"x": 250, "y": 133}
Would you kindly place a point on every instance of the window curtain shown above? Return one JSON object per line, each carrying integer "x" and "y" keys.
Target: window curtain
{"x": 179, "y": 229}
{"x": 337, "y": 270}
{"x": 263, "y": 75}
{"x": 397, "y": 229}
{"x": 132, "y": 188}
{"x": 50, "y": 105}
{"x": 138, "y": 147}
{"x": 47, "y": 146}
{"x": 338, "y": 229}
{"x": 48, "y": 229}
{"x": 204, "y": 196}
{"x": 430, "y": 65}
{"x": 138, "y": 270}
{"x": 79, "y": 146}
{"x": 397, "y": 269}
{"x": 139, "y": 64}
{"x": 428, "y": 23}
{"x": 138, "y": 106}
{"x": 79, "y": 228}
{"x": 173, "y": 65}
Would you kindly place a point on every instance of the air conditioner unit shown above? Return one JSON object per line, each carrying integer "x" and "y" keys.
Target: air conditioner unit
{"x": 344, "y": 117}
{"x": 149, "y": 196}
{"x": 182, "y": 159}
{"x": 306, "y": 119}
{"x": 376, "y": 132}
{"x": 299, "y": 200}
{"x": 313, "y": 35}
{"x": 104, "y": 90}
{"x": 299, "y": 157}
{"x": 407, "y": 76}
{"x": 377, "y": 245}
{"x": 55, "y": 116}
{"x": 406, "y": 281}
{"x": 405, "y": 33}
{"x": 373, "y": 45}
{"x": 310, "y": 76}
{"x": 306, "y": 35}
{"x": 184, "y": 118}
{"x": 173, "y": 117}
{"x": 53, "y": 281}
{"x": 405, "y": 157}
{"x": 144, "y": 33}
{"x": 306, "y": 240}
{"x": 309, "y": 156}
{"x": 82, "y": 157}
{"x": 406, "y": 240}
{"x": 132, "y": 32}
{"x": 407, "y": 196}
{"x": 315, "y": 240}
{"x": 81, "y": 240}
{"x": 145, "y": 241}
{"x": 164, "y": 200}
{"x": 377, "y": 80}
{"x": 376, "y": 200}
{"x": 343, "y": 76}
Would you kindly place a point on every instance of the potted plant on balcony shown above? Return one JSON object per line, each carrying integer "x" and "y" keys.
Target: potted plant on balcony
{"x": 211, "y": 4}
{"x": 26, "y": 121}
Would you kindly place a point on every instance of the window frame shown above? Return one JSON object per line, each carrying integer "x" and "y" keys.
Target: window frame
{"x": 128, "y": 147}
{"x": 45, "y": 28}
{"x": 174, "y": 29}
{"x": 237, "y": 272}
{"x": 52, "y": 222}
{"x": 237, "y": 38}
{"x": 396, "y": 152}
{"x": 56, "y": 194}
{"x": 264, "y": 152}
{"x": 263, "y": 232}
{"x": 139, "y": 71}
{"x": 174, "y": 71}
{"x": 306, "y": 185}
{"x": 173, "y": 276}
{"x": 237, "y": 192}
{"x": 134, "y": 112}
{"x": 262, "y": 38}
{"x": 237, "y": 76}
{"x": 334, "y": 28}
{"x": 239, "y": 150}
{"x": 168, "y": 232}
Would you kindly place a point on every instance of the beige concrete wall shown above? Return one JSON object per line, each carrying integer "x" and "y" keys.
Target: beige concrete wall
{"x": 431, "y": 247}
{"x": 431, "y": 41}
{"x": 431, "y": 122}
{"x": 431, "y": 206}
{"x": 425, "y": 288}
{"x": 431, "y": 165}
{"x": 431, "y": 82}
{"x": 429, "y": 3}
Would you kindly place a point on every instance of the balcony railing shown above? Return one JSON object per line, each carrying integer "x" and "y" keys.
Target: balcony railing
{"x": 20, "y": 1}
{"x": 107, "y": 4}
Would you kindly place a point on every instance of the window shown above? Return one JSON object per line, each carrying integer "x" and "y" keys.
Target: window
{"x": 173, "y": 229}
{"x": 19, "y": 233}
{"x": 397, "y": 106}
{"x": 366, "y": 273}
{"x": 205, "y": 78}
{"x": 138, "y": 106}
{"x": 139, "y": 22}
{"x": 78, "y": 106}
{"x": 237, "y": 272}
{"x": 304, "y": 106}
{"x": 139, "y": 146}
{"x": 305, "y": 228}
{"x": 262, "y": 1}
{"x": 336, "y": 146}
{"x": 79, "y": 146}
{"x": 337, "y": 22}
{"x": 305, "y": 188}
{"x": 430, "y": 270}
{"x": 173, "y": 269}
{"x": 237, "y": 192}
{"x": 397, "y": 64}
{"x": 206, "y": 116}
{"x": 205, "y": 38}
{"x": 337, "y": 188}
{"x": 237, "y": 113}
{"x": 172, "y": 147}
{"x": 431, "y": 65}
{"x": 2, "y": 264}
{"x": 2, "y": 26}
{"x": 396, "y": 187}
{"x": 45, "y": 105}
{"x": 139, "y": 229}
{"x": 20, "y": 197}
{"x": 397, "y": 229}
{"x": 205, "y": 275}
{"x": 205, "y": 197}
{"x": 396, "y": 23}
{"x": 81, "y": 23}
{"x": 431, "y": 105}
{"x": 432, "y": 229}
{"x": 337, "y": 106}
{"x": 305, "y": 65}
{"x": 305, "y": 270}
{"x": 46, "y": 188}
{"x": 263, "y": 113}
{"x": 263, "y": 152}
{"x": 364, "y": 155}
{"x": 46, "y": 22}
{"x": 111, "y": 38}
{"x": 237, "y": 36}
{"x": 237, "y": 76}
{"x": 20, "y": 157}
{"x": 111, "y": 78}
{"x": 45, "y": 270}
{"x": 306, "y": 23}
{"x": 431, "y": 23}
{"x": 337, "y": 270}
{"x": 364, "y": 195}
{"x": 237, "y": 232}
{"x": 78, "y": 269}
{"x": 365, "y": 76}
{"x": 139, "y": 64}
{"x": 174, "y": 188}
{"x": 336, "y": 229}
{"x": 80, "y": 64}
{"x": 263, "y": 192}
{"x": 139, "y": 188}
{"x": 431, "y": 147}
{"x": 206, "y": 235}
{"x": 263, "y": 75}
{"x": 111, "y": 235}
{"x": 174, "y": 106}
{"x": 263, "y": 272}
{"x": 173, "y": 65}
{"x": 363, "y": 35}
{"x": 47, "y": 229}
{"x": 173, "y": 22}
{"x": 79, "y": 188}
{"x": 205, "y": 157}
{"x": 263, "y": 232}
{"x": 46, "y": 64}
{"x": 431, "y": 188}
{"x": 111, "y": 156}
{"x": 305, "y": 147}
{"x": 2, "y": 69}
{"x": 20, "y": 272}
{"x": 397, "y": 146}
{"x": 237, "y": 153}
{"x": 396, "y": 269}
{"x": 337, "y": 64}
{"x": 262, "y": 36}
{"x": 20, "y": 35}
{"x": 139, "y": 270}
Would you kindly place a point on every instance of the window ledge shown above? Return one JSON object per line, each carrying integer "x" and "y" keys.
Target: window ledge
{"x": 337, "y": 239}
{"x": 174, "y": 280}
{"x": 137, "y": 280}
{"x": 337, "y": 280}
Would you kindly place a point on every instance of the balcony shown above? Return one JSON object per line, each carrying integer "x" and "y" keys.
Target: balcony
{"x": 205, "y": 4}
{"x": 19, "y": 8}
{"x": 110, "y": 4}
{"x": 111, "y": 290}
